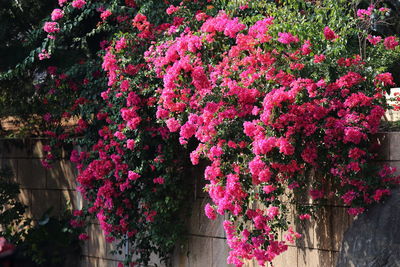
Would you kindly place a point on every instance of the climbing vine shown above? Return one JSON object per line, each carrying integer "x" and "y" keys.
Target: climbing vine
{"x": 278, "y": 101}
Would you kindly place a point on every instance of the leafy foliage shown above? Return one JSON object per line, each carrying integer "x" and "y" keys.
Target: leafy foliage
{"x": 51, "y": 241}
{"x": 12, "y": 211}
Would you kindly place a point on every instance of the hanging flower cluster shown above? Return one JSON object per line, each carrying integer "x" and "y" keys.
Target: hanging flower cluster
{"x": 132, "y": 173}
{"x": 266, "y": 118}
{"x": 134, "y": 176}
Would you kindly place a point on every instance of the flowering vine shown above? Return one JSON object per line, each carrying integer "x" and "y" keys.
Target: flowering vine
{"x": 275, "y": 113}
{"x": 267, "y": 115}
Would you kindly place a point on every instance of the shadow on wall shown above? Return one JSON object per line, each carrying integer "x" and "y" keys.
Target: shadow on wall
{"x": 206, "y": 242}
{"x": 373, "y": 239}
{"x": 322, "y": 237}
{"x": 41, "y": 188}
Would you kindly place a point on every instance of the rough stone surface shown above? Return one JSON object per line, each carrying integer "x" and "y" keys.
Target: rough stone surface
{"x": 200, "y": 251}
{"x": 373, "y": 240}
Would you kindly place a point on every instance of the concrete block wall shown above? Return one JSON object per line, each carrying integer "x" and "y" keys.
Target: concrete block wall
{"x": 41, "y": 188}
{"x": 205, "y": 244}
{"x": 96, "y": 252}
{"x": 321, "y": 241}
{"x": 55, "y": 188}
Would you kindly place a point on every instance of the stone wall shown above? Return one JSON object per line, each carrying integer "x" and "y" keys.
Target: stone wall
{"x": 319, "y": 246}
{"x": 54, "y": 188}
{"x": 41, "y": 188}
{"x": 205, "y": 245}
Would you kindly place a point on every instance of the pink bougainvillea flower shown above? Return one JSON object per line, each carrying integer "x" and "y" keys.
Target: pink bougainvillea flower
{"x": 379, "y": 193}
{"x": 57, "y": 14}
{"x": 287, "y": 38}
{"x": 159, "y": 180}
{"x": 306, "y": 48}
{"x": 43, "y": 55}
{"x": 120, "y": 45}
{"x": 130, "y": 144}
{"x": 105, "y": 14}
{"x": 223, "y": 23}
{"x": 83, "y": 237}
{"x": 78, "y": 3}
{"x": 365, "y": 13}
{"x": 319, "y": 58}
{"x": 390, "y": 42}
{"x": 119, "y": 135}
{"x": 47, "y": 117}
{"x": 172, "y": 9}
{"x": 130, "y": 3}
{"x": 316, "y": 194}
{"x": 51, "y": 27}
{"x": 305, "y": 216}
{"x": 61, "y": 2}
{"x": 210, "y": 212}
{"x": 355, "y": 211}
{"x": 201, "y": 16}
{"x": 269, "y": 189}
{"x": 374, "y": 40}
{"x": 385, "y": 78}
{"x": 133, "y": 176}
{"x": 173, "y": 125}
{"x": 330, "y": 34}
